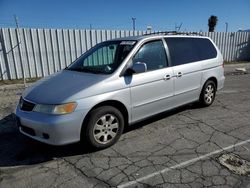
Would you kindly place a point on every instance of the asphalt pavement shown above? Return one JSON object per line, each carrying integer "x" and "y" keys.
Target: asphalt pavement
{"x": 179, "y": 148}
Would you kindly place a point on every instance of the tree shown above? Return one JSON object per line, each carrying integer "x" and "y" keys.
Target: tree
{"x": 212, "y": 22}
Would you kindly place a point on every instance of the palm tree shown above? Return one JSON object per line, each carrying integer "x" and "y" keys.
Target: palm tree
{"x": 212, "y": 22}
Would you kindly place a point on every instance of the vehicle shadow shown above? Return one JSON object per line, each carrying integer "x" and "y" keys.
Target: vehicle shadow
{"x": 17, "y": 149}
{"x": 160, "y": 116}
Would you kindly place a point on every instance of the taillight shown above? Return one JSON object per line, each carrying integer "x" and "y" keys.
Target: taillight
{"x": 223, "y": 64}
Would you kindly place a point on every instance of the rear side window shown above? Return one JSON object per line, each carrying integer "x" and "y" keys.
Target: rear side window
{"x": 187, "y": 50}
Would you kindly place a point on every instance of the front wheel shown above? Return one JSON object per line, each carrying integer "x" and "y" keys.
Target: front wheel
{"x": 104, "y": 127}
{"x": 208, "y": 92}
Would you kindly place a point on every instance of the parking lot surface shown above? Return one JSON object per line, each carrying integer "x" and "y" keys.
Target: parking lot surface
{"x": 179, "y": 148}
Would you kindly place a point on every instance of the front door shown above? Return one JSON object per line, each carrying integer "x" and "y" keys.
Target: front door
{"x": 151, "y": 91}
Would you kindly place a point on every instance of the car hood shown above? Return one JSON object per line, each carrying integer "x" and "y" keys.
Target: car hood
{"x": 64, "y": 86}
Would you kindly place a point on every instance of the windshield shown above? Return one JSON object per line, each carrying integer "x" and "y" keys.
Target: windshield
{"x": 104, "y": 58}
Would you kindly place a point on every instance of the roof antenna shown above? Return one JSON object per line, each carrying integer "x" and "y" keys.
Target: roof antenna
{"x": 178, "y": 28}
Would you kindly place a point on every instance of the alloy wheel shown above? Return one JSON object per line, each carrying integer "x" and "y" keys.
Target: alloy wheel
{"x": 106, "y": 129}
{"x": 209, "y": 94}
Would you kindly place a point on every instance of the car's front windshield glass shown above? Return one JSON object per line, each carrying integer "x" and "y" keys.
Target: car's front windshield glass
{"x": 104, "y": 58}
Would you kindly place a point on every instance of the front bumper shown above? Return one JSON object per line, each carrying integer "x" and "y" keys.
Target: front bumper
{"x": 51, "y": 129}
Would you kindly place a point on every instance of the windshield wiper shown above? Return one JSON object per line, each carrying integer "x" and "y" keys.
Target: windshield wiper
{"x": 85, "y": 69}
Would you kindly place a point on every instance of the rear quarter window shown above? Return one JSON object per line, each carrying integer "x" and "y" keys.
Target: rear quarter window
{"x": 205, "y": 48}
{"x": 187, "y": 50}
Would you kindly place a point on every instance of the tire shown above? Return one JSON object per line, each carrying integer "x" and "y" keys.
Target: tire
{"x": 104, "y": 127}
{"x": 207, "y": 95}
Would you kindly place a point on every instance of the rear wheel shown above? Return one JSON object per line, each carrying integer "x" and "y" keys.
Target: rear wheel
{"x": 208, "y": 92}
{"x": 104, "y": 127}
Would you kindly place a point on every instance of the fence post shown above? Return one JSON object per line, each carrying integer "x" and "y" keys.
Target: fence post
{"x": 5, "y": 58}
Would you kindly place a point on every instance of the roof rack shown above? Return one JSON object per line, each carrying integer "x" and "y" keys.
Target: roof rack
{"x": 173, "y": 33}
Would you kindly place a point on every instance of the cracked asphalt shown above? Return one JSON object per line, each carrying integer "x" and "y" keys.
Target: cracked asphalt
{"x": 158, "y": 152}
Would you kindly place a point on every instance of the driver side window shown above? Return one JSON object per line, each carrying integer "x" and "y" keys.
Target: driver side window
{"x": 152, "y": 54}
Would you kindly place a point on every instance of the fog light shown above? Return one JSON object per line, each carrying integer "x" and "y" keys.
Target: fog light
{"x": 45, "y": 135}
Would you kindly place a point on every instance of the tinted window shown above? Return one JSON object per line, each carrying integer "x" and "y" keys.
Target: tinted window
{"x": 186, "y": 50}
{"x": 205, "y": 48}
{"x": 153, "y": 54}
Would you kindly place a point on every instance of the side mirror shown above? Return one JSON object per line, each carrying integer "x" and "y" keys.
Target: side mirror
{"x": 139, "y": 67}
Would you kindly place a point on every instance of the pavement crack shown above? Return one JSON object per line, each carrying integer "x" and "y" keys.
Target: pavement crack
{"x": 85, "y": 174}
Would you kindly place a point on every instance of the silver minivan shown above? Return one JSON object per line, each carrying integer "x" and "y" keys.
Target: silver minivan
{"x": 117, "y": 83}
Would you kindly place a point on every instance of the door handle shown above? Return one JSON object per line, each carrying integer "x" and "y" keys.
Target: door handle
{"x": 179, "y": 74}
{"x": 167, "y": 77}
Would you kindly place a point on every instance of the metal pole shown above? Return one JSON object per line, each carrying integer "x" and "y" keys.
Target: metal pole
{"x": 19, "y": 42}
{"x": 226, "y": 26}
{"x": 133, "y": 19}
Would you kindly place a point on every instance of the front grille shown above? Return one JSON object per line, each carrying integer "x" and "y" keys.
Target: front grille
{"x": 25, "y": 105}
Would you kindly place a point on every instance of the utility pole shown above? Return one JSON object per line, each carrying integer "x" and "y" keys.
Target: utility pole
{"x": 133, "y": 19}
{"x": 18, "y": 44}
{"x": 226, "y": 26}
{"x": 16, "y": 21}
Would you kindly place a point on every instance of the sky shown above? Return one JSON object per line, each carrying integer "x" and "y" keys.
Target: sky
{"x": 164, "y": 15}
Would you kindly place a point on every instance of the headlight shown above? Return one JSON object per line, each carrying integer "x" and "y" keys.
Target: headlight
{"x": 56, "y": 109}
